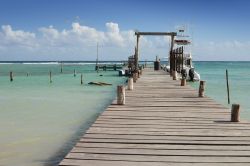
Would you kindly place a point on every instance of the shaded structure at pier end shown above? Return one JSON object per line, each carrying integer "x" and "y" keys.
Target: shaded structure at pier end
{"x": 138, "y": 34}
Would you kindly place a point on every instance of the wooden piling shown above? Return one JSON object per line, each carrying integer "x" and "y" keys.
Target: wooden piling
{"x": 81, "y": 79}
{"x": 228, "y": 94}
{"x": 134, "y": 77}
{"x": 120, "y": 95}
{"x": 11, "y": 76}
{"x": 202, "y": 88}
{"x": 61, "y": 68}
{"x": 50, "y": 77}
{"x": 174, "y": 75}
{"x": 74, "y": 72}
{"x": 235, "y": 113}
{"x": 183, "y": 82}
{"x": 130, "y": 83}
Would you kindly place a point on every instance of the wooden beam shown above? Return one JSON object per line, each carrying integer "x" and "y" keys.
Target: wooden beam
{"x": 157, "y": 33}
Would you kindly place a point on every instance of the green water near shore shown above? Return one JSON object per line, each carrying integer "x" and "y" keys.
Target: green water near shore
{"x": 214, "y": 73}
{"x": 40, "y": 121}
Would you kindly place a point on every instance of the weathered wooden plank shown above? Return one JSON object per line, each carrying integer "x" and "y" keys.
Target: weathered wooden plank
{"x": 167, "y": 137}
{"x": 163, "y": 146}
{"x": 75, "y": 162}
{"x": 158, "y": 158}
{"x": 161, "y": 152}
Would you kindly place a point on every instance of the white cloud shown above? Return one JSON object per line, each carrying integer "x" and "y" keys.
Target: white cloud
{"x": 10, "y": 37}
{"x": 113, "y": 34}
{"x": 79, "y": 43}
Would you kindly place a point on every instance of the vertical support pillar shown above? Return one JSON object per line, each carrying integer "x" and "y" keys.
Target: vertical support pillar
{"x": 137, "y": 52}
{"x": 120, "y": 95}
{"x": 171, "y": 58}
{"x": 182, "y": 58}
{"x": 202, "y": 89}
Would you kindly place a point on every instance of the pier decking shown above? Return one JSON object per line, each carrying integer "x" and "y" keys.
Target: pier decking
{"x": 163, "y": 124}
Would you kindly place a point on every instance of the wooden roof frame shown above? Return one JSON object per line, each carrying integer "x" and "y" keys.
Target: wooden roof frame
{"x": 138, "y": 34}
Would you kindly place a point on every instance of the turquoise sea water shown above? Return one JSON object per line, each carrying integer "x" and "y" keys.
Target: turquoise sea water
{"x": 214, "y": 73}
{"x": 40, "y": 122}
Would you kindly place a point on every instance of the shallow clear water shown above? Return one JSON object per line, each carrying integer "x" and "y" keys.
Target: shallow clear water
{"x": 214, "y": 73}
{"x": 40, "y": 121}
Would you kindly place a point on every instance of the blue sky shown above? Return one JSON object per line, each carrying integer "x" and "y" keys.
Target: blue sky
{"x": 68, "y": 29}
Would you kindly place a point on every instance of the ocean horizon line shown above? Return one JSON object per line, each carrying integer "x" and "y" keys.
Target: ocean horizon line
{"x": 106, "y": 61}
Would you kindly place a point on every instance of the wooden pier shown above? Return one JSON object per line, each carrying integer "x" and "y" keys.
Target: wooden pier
{"x": 163, "y": 124}
{"x": 105, "y": 67}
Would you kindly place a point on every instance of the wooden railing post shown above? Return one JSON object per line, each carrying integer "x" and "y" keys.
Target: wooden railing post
{"x": 235, "y": 113}
{"x": 202, "y": 89}
{"x": 120, "y": 95}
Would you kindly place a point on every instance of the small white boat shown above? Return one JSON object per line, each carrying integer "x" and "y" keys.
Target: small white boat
{"x": 188, "y": 70}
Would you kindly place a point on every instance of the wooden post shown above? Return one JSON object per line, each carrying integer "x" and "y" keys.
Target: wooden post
{"x": 61, "y": 68}
{"x": 171, "y": 61}
{"x": 81, "y": 79}
{"x": 228, "y": 94}
{"x": 174, "y": 75}
{"x": 182, "y": 58}
{"x": 202, "y": 88}
{"x": 137, "y": 52}
{"x": 183, "y": 82}
{"x": 130, "y": 84}
{"x": 134, "y": 77}
{"x": 74, "y": 72}
{"x": 11, "y": 76}
{"x": 50, "y": 77}
{"x": 120, "y": 95}
{"x": 235, "y": 113}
